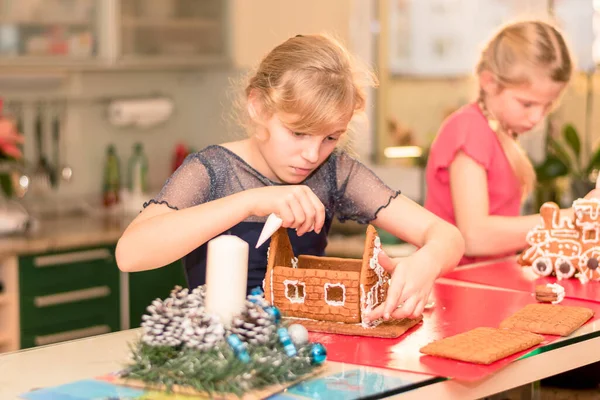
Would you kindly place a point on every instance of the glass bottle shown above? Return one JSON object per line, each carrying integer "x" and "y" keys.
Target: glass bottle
{"x": 138, "y": 170}
{"x": 112, "y": 177}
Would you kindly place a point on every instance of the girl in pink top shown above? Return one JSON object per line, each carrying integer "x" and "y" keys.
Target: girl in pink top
{"x": 477, "y": 174}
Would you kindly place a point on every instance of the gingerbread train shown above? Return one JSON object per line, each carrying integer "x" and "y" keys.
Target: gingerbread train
{"x": 566, "y": 247}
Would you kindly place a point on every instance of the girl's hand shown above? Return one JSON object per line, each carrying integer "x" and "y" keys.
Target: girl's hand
{"x": 409, "y": 288}
{"x": 296, "y": 205}
{"x": 9, "y": 138}
{"x": 594, "y": 194}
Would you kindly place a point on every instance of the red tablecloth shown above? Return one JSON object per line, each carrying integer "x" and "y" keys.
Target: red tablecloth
{"x": 510, "y": 275}
{"x": 457, "y": 309}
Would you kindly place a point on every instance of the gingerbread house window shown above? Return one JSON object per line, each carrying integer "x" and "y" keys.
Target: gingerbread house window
{"x": 295, "y": 291}
{"x": 335, "y": 294}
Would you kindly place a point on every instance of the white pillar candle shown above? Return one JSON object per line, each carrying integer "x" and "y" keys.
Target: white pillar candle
{"x": 226, "y": 277}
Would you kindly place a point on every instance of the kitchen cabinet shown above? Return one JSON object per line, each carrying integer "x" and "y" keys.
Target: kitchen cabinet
{"x": 172, "y": 32}
{"x": 146, "y": 286}
{"x": 444, "y": 38}
{"x": 54, "y": 296}
{"x": 67, "y": 295}
{"x": 112, "y": 34}
{"x": 48, "y": 32}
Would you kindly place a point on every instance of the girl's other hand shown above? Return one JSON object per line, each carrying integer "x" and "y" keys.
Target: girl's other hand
{"x": 296, "y": 205}
{"x": 594, "y": 194}
{"x": 408, "y": 291}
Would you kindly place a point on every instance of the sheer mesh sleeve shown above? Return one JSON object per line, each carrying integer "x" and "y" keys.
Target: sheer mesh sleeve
{"x": 189, "y": 185}
{"x": 360, "y": 194}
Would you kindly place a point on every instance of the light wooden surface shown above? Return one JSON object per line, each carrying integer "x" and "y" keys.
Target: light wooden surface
{"x": 58, "y": 364}
{"x": 65, "y": 233}
{"x": 87, "y": 358}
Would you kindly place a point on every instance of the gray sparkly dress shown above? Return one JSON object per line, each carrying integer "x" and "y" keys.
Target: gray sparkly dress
{"x": 348, "y": 190}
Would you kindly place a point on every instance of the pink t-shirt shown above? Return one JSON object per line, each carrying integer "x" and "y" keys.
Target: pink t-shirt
{"x": 467, "y": 130}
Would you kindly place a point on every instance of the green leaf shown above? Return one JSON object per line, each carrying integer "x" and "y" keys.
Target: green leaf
{"x": 594, "y": 162}
{"x": 572, "y": 138}
{"x": 560, "y": 152}
{"x": 550, "y": 169}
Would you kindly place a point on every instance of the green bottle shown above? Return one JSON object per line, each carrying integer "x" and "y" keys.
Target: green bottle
{"x": 138, "y": 170}
{"x": 112, "y": 177}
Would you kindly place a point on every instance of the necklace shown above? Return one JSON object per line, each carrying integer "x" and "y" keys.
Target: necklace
{"x": 493, "y": 123}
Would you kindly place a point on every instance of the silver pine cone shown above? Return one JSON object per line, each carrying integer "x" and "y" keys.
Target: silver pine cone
{"x": 254, "y": 325}
{"x": 179, "y": 320}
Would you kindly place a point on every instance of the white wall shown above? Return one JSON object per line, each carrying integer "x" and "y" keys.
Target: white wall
{"x": 199, "y": 120}
{"x": 259, "y": 25}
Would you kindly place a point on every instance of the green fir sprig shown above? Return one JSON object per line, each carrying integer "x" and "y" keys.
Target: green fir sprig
{"x": 218, "y": 370}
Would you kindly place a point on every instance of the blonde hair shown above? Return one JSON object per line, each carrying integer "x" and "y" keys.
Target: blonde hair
{"x": 310, "y": 76}
{"x": 514, "y": 55}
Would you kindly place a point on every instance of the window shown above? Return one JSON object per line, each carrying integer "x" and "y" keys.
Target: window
{"x": 294, "y": 291}
{"x": 589, "y": 235}
{"x": 335, "y": 294}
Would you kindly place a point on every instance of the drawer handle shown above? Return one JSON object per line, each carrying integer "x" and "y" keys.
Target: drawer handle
{"x": 71, "y": 335}
{"x": 70, "y": 258}
{"x": 70, "y": 297}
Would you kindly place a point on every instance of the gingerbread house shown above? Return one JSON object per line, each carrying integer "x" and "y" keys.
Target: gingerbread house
{"x": 564, "y": 246}
{"x": 334, "y": 293}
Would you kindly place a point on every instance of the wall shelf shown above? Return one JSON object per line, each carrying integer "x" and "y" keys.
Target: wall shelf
{"x": 174, "y": 23}
{"x": 114, "y": 35}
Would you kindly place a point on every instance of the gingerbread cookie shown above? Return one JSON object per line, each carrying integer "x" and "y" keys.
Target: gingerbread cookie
{"x": 548, "y": 319}
{"x": 482, "y": 345}
{"x": 563, "y": 247}
{"x": 549, "y": 293}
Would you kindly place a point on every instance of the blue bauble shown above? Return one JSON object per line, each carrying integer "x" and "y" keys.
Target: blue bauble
{"x": 239, "y": 348}
{"x": 318, "y": 354}
{"x": 286, "y": 341}
{"x": 274, "y": 313}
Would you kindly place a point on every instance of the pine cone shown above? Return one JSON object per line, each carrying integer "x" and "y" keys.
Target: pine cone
{"x": 180, "y": 320}
{"x": 254, "y": 325}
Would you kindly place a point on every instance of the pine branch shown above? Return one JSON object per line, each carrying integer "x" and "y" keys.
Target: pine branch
{"x": 218, "y": 370}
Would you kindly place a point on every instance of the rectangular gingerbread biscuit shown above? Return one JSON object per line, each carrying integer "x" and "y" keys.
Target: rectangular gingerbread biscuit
{"x": 549, "y": 319}
{"x": 482, "y": 345}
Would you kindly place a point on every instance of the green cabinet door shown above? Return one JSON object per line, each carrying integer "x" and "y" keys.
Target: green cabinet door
{"x": 146, "y": 286}
{"x": 68, "y": 294}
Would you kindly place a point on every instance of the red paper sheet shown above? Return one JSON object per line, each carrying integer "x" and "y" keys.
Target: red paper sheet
{"x": 457, "y": 309}
{"x": 510, "y": 275}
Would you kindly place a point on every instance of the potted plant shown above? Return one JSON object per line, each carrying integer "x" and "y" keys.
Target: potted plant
{"x": 565, "y": 159}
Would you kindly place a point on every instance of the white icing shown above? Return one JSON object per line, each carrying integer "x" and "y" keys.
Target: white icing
{"x": 589, "y": 207}
{"x": 576, "y": 240}
{"x": 582, "y": 278}
{"x": 589, "y": 274}
{"x": 371, "y": 299}
{"x": 558, "y": 263}
{"x": 542, "y": 260}
{"x": 272, "y": 298}
{"x": 294, "y": 283}
{"x": 587, "y": 238}
{"x": 294, "y": 262}
{"x": 558, "y": 290}
{"x": 335, "y": 303}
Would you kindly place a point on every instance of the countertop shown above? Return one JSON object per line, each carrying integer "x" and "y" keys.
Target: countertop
{"x": 66, "y": 232}
{"x": 79, "y": 231}
{"x": 403, "y": 374}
